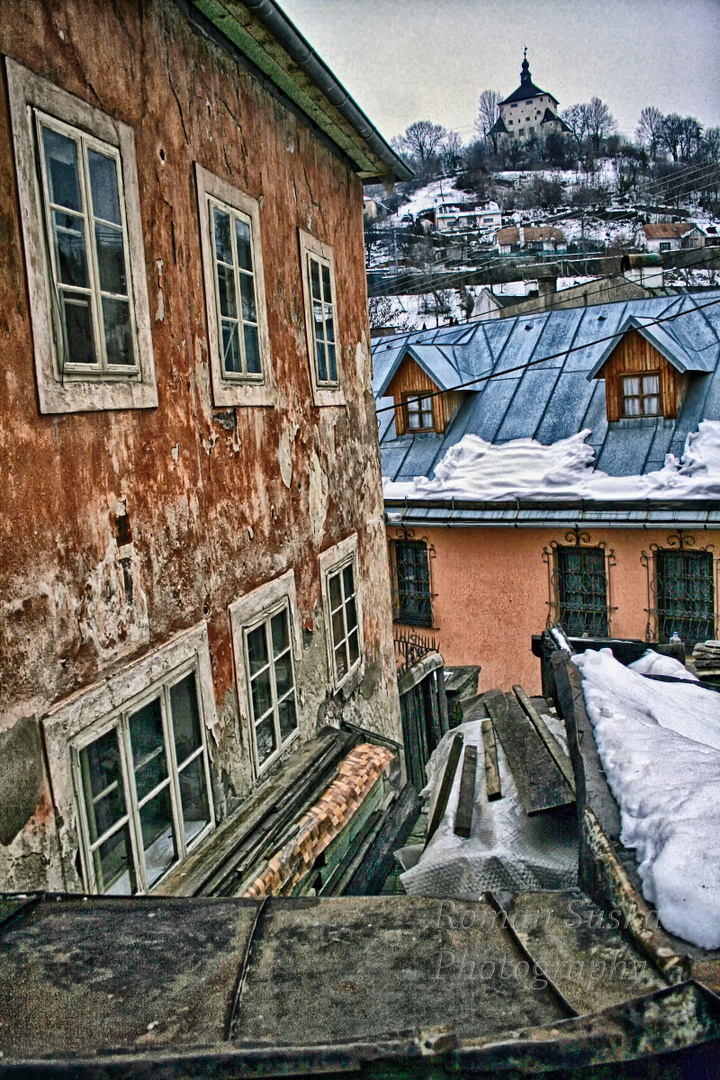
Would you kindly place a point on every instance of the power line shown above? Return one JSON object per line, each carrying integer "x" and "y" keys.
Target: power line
{"x": 541, "y": 360}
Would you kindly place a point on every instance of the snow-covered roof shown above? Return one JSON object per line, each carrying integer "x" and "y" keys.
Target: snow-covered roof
{"x": 540, "y": 391}
{"x": 667, "y": 230}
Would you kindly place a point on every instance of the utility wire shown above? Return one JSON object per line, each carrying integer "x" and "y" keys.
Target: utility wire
{"x": 541, "y": 360}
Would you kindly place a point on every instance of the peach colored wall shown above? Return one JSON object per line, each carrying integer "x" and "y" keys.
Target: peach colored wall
{"x": 492, "y": 595}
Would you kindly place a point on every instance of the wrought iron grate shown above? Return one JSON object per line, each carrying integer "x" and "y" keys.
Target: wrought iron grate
{"x": 581, "y": 586}
{"x": 684, "y": 595}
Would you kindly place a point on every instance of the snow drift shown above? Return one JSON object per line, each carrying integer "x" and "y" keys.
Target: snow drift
{"x": 524, "y": 468}
{"x": 659, "y": 744}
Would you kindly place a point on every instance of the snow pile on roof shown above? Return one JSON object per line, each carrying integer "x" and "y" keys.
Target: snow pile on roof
{"x": 524, "y": 468}
{"x": 652, "y": 663}
{"x": 659, "y": 744}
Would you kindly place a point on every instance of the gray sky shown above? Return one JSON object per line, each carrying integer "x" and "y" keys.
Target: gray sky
{"x": 406, "y": 60}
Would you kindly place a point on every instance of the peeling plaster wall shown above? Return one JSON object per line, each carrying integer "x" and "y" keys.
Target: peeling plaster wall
{"x": 117, "y": 529}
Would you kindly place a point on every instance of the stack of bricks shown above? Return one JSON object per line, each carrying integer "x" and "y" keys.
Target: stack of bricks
{"x": 357, "y": 776}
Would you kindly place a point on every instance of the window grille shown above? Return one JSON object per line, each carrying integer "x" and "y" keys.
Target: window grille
{"x": 271, "y": 678}
{"x": 412, "y": 595}
{"x": 681, "y": 591}
{"x": 319, "y": 273}
{"x": 579, "y": 585}
{"x": 235, "y": 294}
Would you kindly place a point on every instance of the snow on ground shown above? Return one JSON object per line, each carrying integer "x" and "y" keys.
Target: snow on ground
{"x": 524, "y": 468}
{"x": 439, "y": 191}
{"x": 659, "y": 744}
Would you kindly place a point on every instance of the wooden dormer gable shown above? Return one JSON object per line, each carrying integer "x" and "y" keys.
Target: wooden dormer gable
{"x": 408, "y": 383}
{"x": 636, "y": 365}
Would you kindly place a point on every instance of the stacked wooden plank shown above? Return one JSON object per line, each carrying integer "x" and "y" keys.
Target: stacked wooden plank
{"x": 706, "y": 655}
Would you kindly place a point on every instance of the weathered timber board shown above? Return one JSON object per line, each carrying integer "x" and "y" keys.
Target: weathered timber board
{"x": 492, "y": 773}
{"x": 560, "y": 758}
{"x": 445, "y": 786}
{"x": 540, "y": 783}
{"x": 466, "y": 799}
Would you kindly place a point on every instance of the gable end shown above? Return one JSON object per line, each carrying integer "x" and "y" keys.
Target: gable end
{"x": 634, "y": 355}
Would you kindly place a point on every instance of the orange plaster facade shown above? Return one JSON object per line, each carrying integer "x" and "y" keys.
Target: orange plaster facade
{"x": 491, "y": 594}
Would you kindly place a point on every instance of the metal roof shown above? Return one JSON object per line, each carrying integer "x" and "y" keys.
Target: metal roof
{"x": 553, "y": 395}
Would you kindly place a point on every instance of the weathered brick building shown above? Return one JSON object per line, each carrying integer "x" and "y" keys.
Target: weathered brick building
{"x": 193, "y": 558}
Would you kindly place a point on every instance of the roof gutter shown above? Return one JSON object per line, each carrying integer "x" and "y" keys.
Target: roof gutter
{"x": 270, "y": 16}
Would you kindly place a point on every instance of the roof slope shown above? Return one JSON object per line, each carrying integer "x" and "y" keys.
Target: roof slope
{"x": 540, "y": 390}
{"x": 667, "y": 230}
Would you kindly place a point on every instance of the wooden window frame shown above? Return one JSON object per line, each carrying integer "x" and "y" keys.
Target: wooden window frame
{"x": 77, "y": 389}
{"x": 333, "y": 562}
{"x": 641, "y": 376}
{"x": 235, "y": 389}
{"x": 415, "y": 399}
{"x": 325, "y": 391}
{"x": 281, "y": 607}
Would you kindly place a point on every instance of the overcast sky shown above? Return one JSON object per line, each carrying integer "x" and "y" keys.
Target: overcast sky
{"x": 406, "y": 60}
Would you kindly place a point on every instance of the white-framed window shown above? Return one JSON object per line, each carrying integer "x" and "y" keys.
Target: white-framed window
{"x": 82, "y": 231}
{"x": 318, "y": 278}
{"x": 343, "y": 609}
{"x": 129, "y": 763}
{"x": 238, "y": 337}
{"x": 267, "y": 646}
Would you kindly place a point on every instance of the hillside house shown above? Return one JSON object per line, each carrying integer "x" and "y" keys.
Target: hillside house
{"x": 530, "y": 238}
{"x": 527, "y": 113}
{"x": 193, "y": 557}
{"x": 480, "y": 219}
{"x": 669, "y": 236}
{"x": 507, "y": 537}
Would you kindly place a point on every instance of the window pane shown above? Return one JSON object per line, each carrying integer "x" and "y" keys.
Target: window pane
{"x": 283, "y": 675}
{"x": 288, "y": 717}
{"x": 632, "y": 406}
{"x": 114, "y": 870}
{"x": 651, "y": 384}
{"x": 232, "y": 361}
{"x": 157, "y": 836}
{"x": 252, "y": 349}
{"x": 414, "y": 420}
{"x": 104, "y": 186}
{"x": 77, "y": 322}
{"x": 322, "y": 365}
{"x": 631, "y": 386}
{"x": 327, "y": 295}
{"x": 335, "y": 593}
{"x": 111, "y": 259}
{"x": 70, "y": 249}
{"x": 353, "y": 646}
{"x": 261, "y": 694}
{"x": 315, "y": 279}
{"x": 280, "y": 632}
{"x": 185, "y": 717}
{"x": 118, "y": 331}
{"x": 148, "y": 747}
{"x": 318, "y": 320}
{"x": 62, "y": 169}
{"x": 223, "y": 244}
{"x": 102, "y": 784}
{"x": 244, "y": 251}
{"x": 348, "y": 581}
{"x": 341, "y": 661}
{"x": 265, "y": 739}
{"x": 257, "y": 649}
{"x": 329, "y": 331}
{"x": 651, "y": 406}
{"x": 351, "y": 613}
{"x": 338, "y": 626}
{"x": 194, "y": 799}
{"x": 332, "y": 367}
{"x": 247, "y": 292}
{"x": 226, "y": 291}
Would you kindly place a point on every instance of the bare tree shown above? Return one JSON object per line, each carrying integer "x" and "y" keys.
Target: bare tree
{"x": 600, "y": 122}
{"x": 649, "y": 130}
{"x": 671, "y": 133}
{"x": 451, "y": 150}
{"x": 488, "y": 114}
{"x": 690, "y": 136}
{"x": 576, "y": 118}
{"x": 421, "y": 139}
{"x": 710, "y": 146}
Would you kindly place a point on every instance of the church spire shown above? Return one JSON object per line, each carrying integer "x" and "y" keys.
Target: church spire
{"x": 525, "y": 73}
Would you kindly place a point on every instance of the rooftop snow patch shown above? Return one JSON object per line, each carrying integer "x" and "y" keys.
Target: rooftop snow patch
{"x": 659, "y": 744}
{"x": 474, "y": 469}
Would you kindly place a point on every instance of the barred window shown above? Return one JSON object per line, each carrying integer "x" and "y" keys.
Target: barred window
{"x": 581, "y": 590}
{"x": 684, "y": 595}
{"x": 411, "y": 583}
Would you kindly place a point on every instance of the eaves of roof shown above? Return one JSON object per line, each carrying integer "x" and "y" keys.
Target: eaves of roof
{"x": 265, "y": 35}
{"x": 539, "y": 513}
{"x": 526, "y": 92}
{"x": 662, "y": 340}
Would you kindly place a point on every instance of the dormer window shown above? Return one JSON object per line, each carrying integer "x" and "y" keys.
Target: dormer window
{"x": 641, "y": 395}
{"x": 419, "y": 413}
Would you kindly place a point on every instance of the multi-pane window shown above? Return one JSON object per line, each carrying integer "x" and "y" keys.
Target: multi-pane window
{"x": 581, "y": 590}
{"x": 411, "y": 583}
{"x": 323, "y": 312}
{"x": 271, "y": 680}
{"x": 143, "y": 789}
{"x": 235, "y": 293}
{"x": 419, "y": 412}
{"x": 87, "y": 240}
{"x": 641, "y": 395}
{"x": 684, "y": 595}
{"x": 343, "y": 621}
